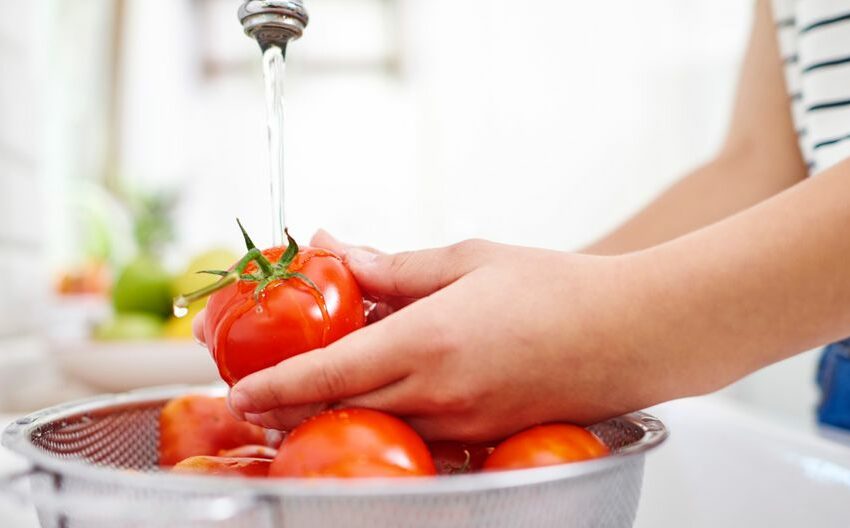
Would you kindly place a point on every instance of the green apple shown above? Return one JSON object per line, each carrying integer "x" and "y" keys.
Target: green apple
{"x": 143, "y": 286}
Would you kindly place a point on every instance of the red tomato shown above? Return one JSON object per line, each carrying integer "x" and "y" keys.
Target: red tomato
{"x": 546, "y": 445}
{"x": 365, "y": 469}
{"x": 224, "y": 466}
{"x": 353, "y": 443}
{"x": 201, "y": 426}
{"x": 453, "y": 458}
{"x": 250, "y": 451}
{"x": 287, "y": 301}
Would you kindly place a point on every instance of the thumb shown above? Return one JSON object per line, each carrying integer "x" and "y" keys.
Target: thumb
{"x": 413, "y": 274}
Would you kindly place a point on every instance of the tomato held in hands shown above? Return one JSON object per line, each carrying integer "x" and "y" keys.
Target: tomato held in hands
{"x": 353, "y": 443}
{"x": 276, "y": 304}
{"x": 201, "y": 426}
{"x": 455, "y": 458}
{"x": 224, "y": 466}
{"x": 546, "y": 445}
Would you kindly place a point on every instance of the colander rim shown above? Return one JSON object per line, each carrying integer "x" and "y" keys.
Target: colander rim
{"x": 17, "y": 438}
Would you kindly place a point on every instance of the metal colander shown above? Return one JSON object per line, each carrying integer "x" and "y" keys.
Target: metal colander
{"x": 95, "y": 465}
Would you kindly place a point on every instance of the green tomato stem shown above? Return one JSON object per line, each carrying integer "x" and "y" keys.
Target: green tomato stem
{"x": 266, "y": 274}
{"x": 182, "y": 302}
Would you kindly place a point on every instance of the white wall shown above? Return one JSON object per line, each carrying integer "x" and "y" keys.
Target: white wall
{"x": 543, "y": 127}
{"x": 22, "y": 285}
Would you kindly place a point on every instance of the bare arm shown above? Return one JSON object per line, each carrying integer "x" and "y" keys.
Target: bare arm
{"x": 759, "y": 158}
{"x": 757, "y": 288}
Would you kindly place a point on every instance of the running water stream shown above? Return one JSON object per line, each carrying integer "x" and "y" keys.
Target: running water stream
{"x": 274, "y": 67}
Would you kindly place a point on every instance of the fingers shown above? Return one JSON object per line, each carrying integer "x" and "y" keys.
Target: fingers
{"x": 323, "y": 239}
{"x": 395, "y": 399}
{"x": 382, "y": 310}
{"x": 406, "y": 275}
{"x": 456, "y": 428}
{"x": 364, "y": 361}
{"x": 399, "y": 399}
{"x": 285, "y": 419}
{"x": 413, "y": 274}
{"x": 198, "y": 327}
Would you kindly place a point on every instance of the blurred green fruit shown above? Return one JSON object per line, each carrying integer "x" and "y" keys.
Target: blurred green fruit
{"x": 130, "y": 327}
{"x": 190, "y": 280}
{"x": 143, "y": 286}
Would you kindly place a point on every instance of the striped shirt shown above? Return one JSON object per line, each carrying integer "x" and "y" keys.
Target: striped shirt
{"x": 814, "y": 39}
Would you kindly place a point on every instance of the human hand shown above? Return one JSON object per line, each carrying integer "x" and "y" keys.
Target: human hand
{"x": 471, "y": 342}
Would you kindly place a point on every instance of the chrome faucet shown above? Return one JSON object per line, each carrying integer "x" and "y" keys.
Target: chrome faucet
{"x": 273, "y": 22}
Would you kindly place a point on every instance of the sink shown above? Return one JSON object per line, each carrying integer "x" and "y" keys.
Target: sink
{"x": 727, "y": 465}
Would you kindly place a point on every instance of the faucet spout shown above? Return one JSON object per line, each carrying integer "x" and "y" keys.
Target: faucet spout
{"x": 273, "y": 22}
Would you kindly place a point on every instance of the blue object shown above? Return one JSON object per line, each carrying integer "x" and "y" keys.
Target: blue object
{"x": 834, "y": 381}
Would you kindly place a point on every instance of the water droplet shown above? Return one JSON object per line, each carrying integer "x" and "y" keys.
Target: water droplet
{"x": 180, "y": 311}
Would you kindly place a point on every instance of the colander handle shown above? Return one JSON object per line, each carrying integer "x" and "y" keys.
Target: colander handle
{"x": 55, "y": 501}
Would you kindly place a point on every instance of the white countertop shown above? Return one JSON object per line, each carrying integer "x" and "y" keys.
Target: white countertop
{"x": 726, "y": 465}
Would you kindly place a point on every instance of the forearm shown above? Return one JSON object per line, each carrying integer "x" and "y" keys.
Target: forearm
{"x": 738, "y": 178}
{"x": 754, "y": 289}
{"x": 760, "y": 156}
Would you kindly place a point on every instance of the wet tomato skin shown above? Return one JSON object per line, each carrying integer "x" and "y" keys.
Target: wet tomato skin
{"x": 546, "y": 445}
{"x": 352, "y": 443}
{"x": 201, "y": 426}
{"x": 246, "y": 335}
{"x": 224, "y": 466}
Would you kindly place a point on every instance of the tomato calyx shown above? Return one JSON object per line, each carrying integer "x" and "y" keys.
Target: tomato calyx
{"x": 266, "y": 273}
{"x": 465, "y": 468}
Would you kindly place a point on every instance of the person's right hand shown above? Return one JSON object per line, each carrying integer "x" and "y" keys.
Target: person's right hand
{"x": 472, "y": 342}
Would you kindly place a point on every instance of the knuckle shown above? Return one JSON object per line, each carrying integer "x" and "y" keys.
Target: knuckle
{"x": 442, "y": 338}
{"x": 330, "y": 382}
{"x": 400, "y": 264}
{"x": 467, "y": 250}
{"x": 271, "y": 389}
{"x": 454, "y": 428}
{"x": 288, "y": 419}
{"x": 474, "y": 432}
{"x": 443, "y": 345}
{"x": 452, "y": 401}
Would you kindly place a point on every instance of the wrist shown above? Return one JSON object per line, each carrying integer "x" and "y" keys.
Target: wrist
{"x": 614, "y": 322}
{"x": 673, "y": 299}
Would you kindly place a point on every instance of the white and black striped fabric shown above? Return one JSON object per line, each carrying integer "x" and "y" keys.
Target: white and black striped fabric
{"x": 814, "y": 39}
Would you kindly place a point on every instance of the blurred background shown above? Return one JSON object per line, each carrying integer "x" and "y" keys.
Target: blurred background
{"x": 132, "y": 134}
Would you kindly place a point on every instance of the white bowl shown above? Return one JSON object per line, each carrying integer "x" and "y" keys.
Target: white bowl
{"x": 118, "y": 366}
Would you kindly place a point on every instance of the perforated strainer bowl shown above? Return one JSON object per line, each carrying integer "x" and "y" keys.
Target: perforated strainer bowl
{"x": 95, "y": 465}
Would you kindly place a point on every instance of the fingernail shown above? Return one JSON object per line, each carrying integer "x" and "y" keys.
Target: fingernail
{"x": 236, "y": 401}
{"x": 324, "y": 233}
{"x": 360, "y": 256}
